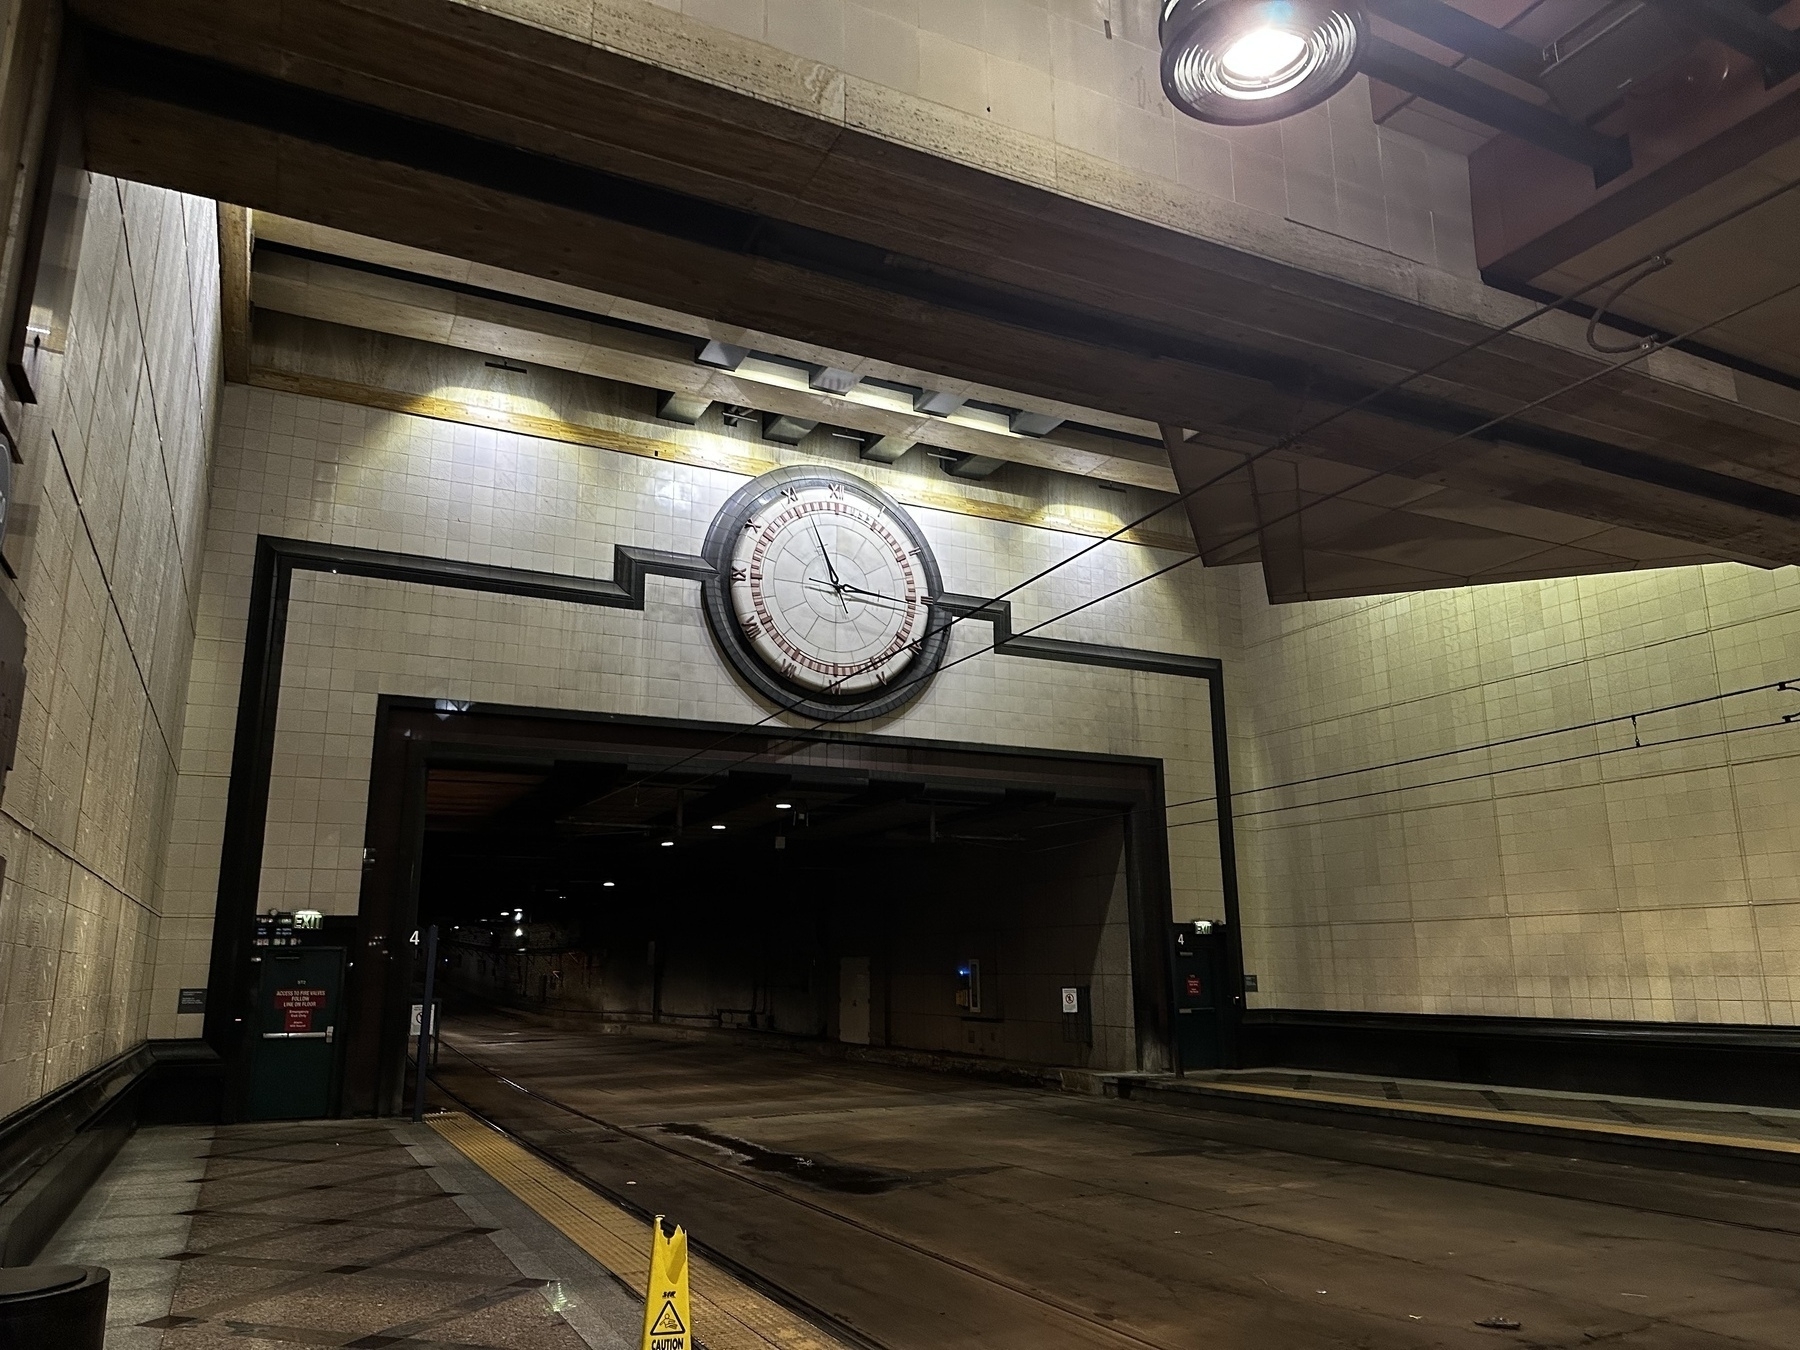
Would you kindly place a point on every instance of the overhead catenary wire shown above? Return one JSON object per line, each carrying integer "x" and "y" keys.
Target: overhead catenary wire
{"x": 1789, "y": 719}
{"x": 1637, "y": 354}
{"x": 795, "y": 706}
{"x": 1788, "y": 685}
{"x": 1601, "y": 753}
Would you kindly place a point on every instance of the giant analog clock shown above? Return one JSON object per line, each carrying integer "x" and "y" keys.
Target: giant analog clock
{"x": 821, "y": 595}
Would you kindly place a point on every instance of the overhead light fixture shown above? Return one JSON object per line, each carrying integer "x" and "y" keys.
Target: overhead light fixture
{"x": 784, "y": 806}
{"x": 1241, "y": 62}
{"x": 609, "y": 884}
{"x": 718, "y": 827}
{"x": 668, "y": 843}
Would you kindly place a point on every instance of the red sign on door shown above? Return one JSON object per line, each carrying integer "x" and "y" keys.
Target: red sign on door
{"x": 297, "y": 1007}
{"x": 1193, "y": 986}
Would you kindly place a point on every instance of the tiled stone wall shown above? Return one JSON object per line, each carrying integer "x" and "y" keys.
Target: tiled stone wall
{"x": 1066, "y": 94}
{"x": 289, "y": 465}
{"x": 107, "y": 533}
{"x": 1571, "y": 874}
{"x": 1084, "y": 75}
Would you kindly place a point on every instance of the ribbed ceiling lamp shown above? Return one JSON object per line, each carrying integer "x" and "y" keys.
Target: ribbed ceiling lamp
{"x": 1242, "y": 62}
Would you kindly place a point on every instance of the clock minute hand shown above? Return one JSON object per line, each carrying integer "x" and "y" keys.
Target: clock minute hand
{"x": 831, "y": 571}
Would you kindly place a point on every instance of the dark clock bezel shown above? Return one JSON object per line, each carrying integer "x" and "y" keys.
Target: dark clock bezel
{"x": 721, "y": 539}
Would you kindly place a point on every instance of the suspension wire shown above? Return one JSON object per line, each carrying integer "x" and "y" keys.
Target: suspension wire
{"x": 1639, "y": 353}
{"x": 1489, "y": 773}
{"x": 1292, "y": 437}
{"x": 1791, "y": 686}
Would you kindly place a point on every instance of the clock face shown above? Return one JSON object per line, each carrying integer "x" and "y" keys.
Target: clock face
{"x": 825, "y": 587}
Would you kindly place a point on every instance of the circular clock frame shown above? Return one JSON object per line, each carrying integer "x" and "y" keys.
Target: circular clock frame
{"x": 722, "y": 537}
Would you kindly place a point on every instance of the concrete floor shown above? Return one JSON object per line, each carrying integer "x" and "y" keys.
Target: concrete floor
{"x": 925, "y": 1211}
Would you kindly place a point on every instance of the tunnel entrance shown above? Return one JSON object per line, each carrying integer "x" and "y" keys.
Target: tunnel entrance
{"x": 822, "y": 905}
{"x": 633, "y": 873}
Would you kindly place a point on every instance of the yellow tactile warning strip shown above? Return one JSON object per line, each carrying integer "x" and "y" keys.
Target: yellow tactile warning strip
{"x": 727, "y": 1314}
{"x": 1655, "y": 1133}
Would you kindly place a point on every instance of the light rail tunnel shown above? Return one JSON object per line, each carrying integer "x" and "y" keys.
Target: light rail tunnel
{"x": 952, "y": 903}
{"x": 803, "y": 994}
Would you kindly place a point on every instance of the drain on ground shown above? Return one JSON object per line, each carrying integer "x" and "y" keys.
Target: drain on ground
{"x": 814, "y": 1171}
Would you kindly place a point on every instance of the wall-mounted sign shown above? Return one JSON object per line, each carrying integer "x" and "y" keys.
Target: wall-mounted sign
{"x": 1071, "y": 1001}
{"x": 298, "y": 1007}
{"x": 191, "y": 1001}
{"x": 821, "y": 594}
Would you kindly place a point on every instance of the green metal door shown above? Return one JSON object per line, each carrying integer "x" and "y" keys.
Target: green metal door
{"x": 293, "y": 1050}
{"x": 1199, "y": 995}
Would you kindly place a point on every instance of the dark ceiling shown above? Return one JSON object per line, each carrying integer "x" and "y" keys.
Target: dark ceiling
{"x": 535, "y": 837}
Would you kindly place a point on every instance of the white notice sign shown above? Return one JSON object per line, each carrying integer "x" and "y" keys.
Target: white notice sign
{"x": 1071, "y": 1000}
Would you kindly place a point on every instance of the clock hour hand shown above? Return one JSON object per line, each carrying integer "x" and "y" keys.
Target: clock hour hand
{"x": 873, "y": 595}
{"x": 867, "y": 597}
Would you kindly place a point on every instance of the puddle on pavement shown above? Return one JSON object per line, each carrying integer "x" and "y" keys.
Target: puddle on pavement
{"x": 845, "y": 1178}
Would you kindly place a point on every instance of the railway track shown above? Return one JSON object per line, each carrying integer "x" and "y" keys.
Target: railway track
{"x": 824, "y": 1319}
{"x": 563, "y": 1133}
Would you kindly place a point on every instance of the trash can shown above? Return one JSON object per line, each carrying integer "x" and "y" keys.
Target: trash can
{"x": 59, "y": 1306}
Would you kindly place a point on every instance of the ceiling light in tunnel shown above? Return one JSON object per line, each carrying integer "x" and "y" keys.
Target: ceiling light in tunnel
{"x": 784, "y": 806}
{"x": 1241, "y": 62}
{"x": 609, "y": 884}
{"x": 668, "y": 843}
{"x": 1262, "y": 54}
{"x": 718, "y": 827}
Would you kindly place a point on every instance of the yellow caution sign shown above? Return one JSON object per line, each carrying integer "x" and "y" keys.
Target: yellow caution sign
{"x": 668, "y": 1325}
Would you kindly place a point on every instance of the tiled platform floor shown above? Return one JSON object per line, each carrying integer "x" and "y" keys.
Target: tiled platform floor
{"x": 134, "y": 1221}
{"x": 351, "y": 1234}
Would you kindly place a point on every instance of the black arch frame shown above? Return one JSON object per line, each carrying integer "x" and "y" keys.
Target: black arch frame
{"x": 259, "y": 695}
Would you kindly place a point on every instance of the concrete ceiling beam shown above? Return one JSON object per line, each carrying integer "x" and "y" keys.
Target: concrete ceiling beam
{"x": 687, "y": 409}
{"x": 980, "y": 279}
{"x": 975, "y": 467}
{"x": 786, "y": 429}
{"x": 1023, "y": 423}
{"x": 886, "y": 449}
{"x": 318, "y": 290}
{"x": 605, "y": 96}
{"x": 725, "y": 346}
{"x": 937, "y": 402}
{"x": 722, "y": 355}
{"x": 832, "y": 379}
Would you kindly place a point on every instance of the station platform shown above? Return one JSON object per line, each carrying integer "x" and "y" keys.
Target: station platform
{"x": 838, "y": 1203}
{"x": 1706, "y": 1136}
{"x": 368, "y": 1235}
{"x": 358, "y": 1234}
